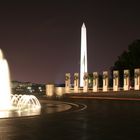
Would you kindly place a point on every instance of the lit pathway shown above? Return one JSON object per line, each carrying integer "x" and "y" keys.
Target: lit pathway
{"x": 106, "y": 98}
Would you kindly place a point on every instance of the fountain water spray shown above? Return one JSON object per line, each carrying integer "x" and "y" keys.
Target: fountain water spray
{"x": 19, "y": 105}
{"x": 5, "y": 89}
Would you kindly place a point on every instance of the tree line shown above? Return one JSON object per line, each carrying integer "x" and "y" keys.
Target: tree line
{"x": 129, "y": 59}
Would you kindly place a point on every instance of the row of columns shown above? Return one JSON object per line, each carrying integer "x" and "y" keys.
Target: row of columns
{"x": 126, "y": 85}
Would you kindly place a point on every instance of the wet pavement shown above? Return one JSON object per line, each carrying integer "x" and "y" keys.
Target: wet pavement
{"x": 83, "y": 119}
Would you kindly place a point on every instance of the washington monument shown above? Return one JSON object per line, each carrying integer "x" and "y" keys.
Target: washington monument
{"x": 83, "y": 59}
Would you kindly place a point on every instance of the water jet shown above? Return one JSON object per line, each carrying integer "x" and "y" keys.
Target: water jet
{"x": 13, "y": 105}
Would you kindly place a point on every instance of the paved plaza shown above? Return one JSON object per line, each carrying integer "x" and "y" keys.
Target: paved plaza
{"x": 81, "y": 119}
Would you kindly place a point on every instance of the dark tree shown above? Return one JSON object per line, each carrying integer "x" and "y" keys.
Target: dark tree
{"x": 129, "y": 59}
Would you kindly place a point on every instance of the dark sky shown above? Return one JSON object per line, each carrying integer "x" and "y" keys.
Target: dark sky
{"x": 41, "y": 41}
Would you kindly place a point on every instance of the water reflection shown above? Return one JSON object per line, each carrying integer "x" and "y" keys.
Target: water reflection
{"x": 47, "y": 108}
{"x": 18, "y": 113}
{"x": 56, "y": 107}
{"x": 101, "y": 120}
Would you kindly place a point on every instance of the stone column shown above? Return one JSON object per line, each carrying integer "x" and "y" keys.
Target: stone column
{"x": 115, "y": 80}
{"x": 49, "y": 90}
{"x": 85, "y": 88}
{"x": 67, "y": 82}
{"x": 95, "y": 81}
{"x": 59, "y": 91}
{"x": 76, "y": 82}
{"x": 105, "y": 81}
{"x": 137, "y": 79}
{"x": 126, "y": 80}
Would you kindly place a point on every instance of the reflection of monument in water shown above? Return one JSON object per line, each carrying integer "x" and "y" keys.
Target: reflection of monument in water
{"x": 19, "y": 105}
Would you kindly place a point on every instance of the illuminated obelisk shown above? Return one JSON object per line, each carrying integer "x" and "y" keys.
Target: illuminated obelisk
{"x": 83, "y": 61}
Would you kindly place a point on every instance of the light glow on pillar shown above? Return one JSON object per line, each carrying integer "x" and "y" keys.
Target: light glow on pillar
{"x": 83, "y": 59}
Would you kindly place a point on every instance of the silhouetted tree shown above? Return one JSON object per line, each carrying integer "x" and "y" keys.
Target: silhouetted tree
{"x": 129, "y": 59}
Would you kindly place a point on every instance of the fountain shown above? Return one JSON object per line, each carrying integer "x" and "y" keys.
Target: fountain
{"x": 14, "y": 105}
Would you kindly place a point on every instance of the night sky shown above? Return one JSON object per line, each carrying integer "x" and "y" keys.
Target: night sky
{"x": 41, "y": 41}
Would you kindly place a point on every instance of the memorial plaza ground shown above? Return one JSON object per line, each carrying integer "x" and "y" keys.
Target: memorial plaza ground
{"x": 77, "y": 119}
